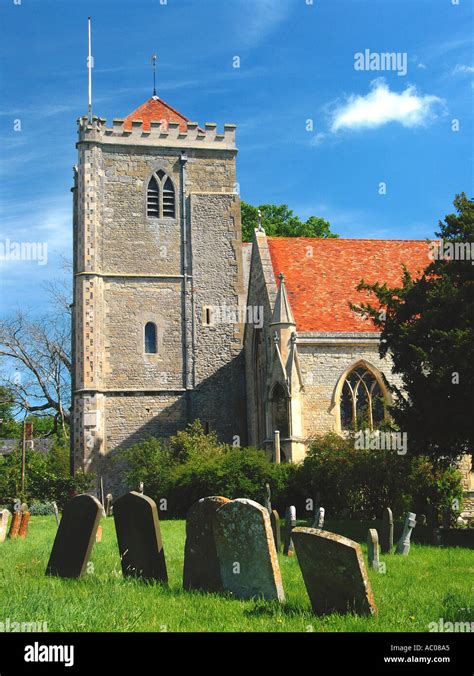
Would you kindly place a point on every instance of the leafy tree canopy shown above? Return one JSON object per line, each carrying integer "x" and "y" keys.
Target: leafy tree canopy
{"x": 280, "y": 221}
{"x": 427, "y": 327}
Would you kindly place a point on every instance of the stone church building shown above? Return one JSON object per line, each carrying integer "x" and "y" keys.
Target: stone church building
{"x": 176, "y": 319}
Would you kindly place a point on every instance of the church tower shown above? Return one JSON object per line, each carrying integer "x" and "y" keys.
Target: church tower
{"x": 157, "y": 255}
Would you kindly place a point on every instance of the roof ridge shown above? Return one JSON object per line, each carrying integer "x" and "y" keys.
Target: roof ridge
{"x": 162, "y": 101}
{"x": 350, "y": 239}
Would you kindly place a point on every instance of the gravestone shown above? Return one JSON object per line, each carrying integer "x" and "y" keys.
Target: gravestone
{"x": 108, "y": 504}
{"x": 75, "y": 537}
{"x": 403, "y": 545}
{"x": 386, "y": 532}
{"x": 201, "y": 565}
{"x": 290, "y": 523}
{"x": 276, "y": 530}
{"x": 319, "y": 518}
{"x": 25, "y": 520}
{"x": 139, "y": 538}
{"x": 334, "y": 572}
{"x": 447, "y": 517}
{"x": 56, "y": 513}
{"x": 4, "y": 514}
{"x": 268, "y": 498}
{"x": 14, "y": 525}
{"x": 246, "y": 551}
{"x": 421, "y": 521}
{"x": 373, "y": 549}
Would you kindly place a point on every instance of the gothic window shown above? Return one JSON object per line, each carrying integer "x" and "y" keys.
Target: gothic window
{"x": 362, "y": 400}
{"x": 150, "y": 338}
{"x": 161, "y": 197}
{"x": 153, "y": 199}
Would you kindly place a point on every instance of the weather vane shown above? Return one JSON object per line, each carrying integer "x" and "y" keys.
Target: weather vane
{"x": 153, "y": 60}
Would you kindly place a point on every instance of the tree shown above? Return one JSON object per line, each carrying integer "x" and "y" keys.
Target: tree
{"x": 280, "y": 221}
{"x": 9, "y": 428}
{"x": 427, "y": 326}
{"x": 36, "y": 366}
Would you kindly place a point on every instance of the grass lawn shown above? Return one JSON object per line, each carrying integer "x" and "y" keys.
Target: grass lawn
{"x": 429, "y": 584}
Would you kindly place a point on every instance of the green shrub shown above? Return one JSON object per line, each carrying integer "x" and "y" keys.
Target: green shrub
{"x": 41, "y": 508}
{"x": 361, "y": 482}
{"x": 433, "y": 487}
{"x": 349, "y": 482}
{"x": 193, "y": 465}
{"x": 47, "y": 476}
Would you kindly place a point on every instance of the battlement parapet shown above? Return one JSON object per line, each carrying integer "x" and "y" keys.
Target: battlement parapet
{"x": 159, "y": 133}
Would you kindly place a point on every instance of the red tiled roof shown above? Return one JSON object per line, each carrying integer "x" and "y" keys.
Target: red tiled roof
{"x": 320, "y": 285}
{"x": 155, "y": 110}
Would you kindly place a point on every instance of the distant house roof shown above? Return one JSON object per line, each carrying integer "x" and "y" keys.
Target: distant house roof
{"x": 155, "y": 110}
{"x": 321, "y": 276}
{"x": 42, "y": 445}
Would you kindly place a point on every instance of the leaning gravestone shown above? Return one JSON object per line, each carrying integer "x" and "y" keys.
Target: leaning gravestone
{"x": 319, "y": 518}
{"x": 14, "y": 525}
{"x": 139, "y": 537}
{"x": 386, "y": 533}
{"x": 276, "y": 529}
{"x": 201, "y": 565}
{"x": 246, "y": 551}
{"x": 373, "y": 549}
{"x": 290, "y": 523}
{"x": 334, "y": 572}
{"x": 75, "y": 537}
{"x": 4, "y": 514}
{"x": 403, "y": 545}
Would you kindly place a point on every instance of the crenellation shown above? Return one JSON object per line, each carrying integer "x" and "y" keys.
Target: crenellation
{"x": 160, "y": 132}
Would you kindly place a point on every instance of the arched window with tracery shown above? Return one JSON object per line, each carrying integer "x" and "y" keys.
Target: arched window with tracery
{"x": 161, "y": 196}
{"x": 362, "y": 402}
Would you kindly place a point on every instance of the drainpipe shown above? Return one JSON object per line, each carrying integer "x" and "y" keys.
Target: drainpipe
{"x": 184, "y": 227}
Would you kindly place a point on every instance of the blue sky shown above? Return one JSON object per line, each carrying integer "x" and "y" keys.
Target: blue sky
{"x": 313, "y": 131}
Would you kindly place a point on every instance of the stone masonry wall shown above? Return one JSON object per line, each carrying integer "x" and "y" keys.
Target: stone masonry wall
{"x": 131, "y": 303}
{"x": 219, "y": 397}
{"x": 322, "y": 366}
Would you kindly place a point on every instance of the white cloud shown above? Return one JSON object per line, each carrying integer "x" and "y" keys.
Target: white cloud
{"x": 462, "y": 69}
{"x": 381, "y": 106}
{"x": 261, "y": 19}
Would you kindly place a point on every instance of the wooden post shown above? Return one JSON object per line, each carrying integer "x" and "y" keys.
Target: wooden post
{"x": 276, "y": 445}
{"x": 23, "y": 458}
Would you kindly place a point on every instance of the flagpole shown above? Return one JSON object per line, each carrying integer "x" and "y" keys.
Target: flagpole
{"x": 89, "y": 65}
